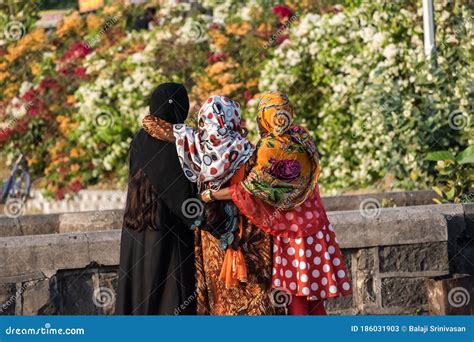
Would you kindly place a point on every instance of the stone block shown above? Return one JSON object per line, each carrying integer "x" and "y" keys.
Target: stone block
{"x": 365, "y": 259}
{"x": 414, "y": 258}
{"x": 469, "y": 219}
{"x": 339, "y": 303}
{"x": 396, "y": 226}
{"x": 76, "y": 293}
{"x": 36, "y": 298}
{"x": 43, "y": 253}
{"x": 104, "y": 247}
{"x": 106, "y": 290}
{"x": 403, "y": 292}
{"x": 8, "y": 299}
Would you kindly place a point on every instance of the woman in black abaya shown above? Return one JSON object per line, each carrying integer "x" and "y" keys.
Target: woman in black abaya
{"x": 156, "y": 275}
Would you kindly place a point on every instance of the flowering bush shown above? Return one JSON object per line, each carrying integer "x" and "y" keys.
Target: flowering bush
{"x": 361, "y": 83}
{"x": 356, "y": 74}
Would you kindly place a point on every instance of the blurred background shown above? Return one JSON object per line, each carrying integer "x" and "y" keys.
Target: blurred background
{"x": 386, "y": 115}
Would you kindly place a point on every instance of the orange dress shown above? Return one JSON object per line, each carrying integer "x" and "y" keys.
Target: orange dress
{"x": 253, "y": 297}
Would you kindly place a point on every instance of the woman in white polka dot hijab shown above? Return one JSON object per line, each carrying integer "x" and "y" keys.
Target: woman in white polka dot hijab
{"x": 307, "y": 261}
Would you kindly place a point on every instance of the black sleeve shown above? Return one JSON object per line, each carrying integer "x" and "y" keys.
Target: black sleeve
{"x": 159, "y": 160}
{"x": 179, "y": 196}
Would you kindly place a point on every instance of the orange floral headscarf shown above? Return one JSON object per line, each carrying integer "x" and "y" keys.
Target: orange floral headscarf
{"x": 275, "y": 114}
{"x": 287, "y": 166}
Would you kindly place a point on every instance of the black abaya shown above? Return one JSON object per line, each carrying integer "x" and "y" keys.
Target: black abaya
{"x": 156, "y": 274}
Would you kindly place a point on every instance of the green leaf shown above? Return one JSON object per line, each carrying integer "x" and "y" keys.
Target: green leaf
{"x": 451, "y": 193}
{"x": 466, "y": 156}
{"x": 438, "y": 191}
{"x": 440, "y": 155}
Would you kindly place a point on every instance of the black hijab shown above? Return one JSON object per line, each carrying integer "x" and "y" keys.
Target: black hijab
{"x": 154, "y": 164}
{"x": 170, "y": 102}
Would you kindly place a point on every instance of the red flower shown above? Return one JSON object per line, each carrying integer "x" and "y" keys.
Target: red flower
{"x": 213, "y": 26}
{"x": 80, "y": 72}
{"x": 5, "y": 134}
{"x": 215, "y": 57}
{"x": 282, "y": 11}
{"x": 75, "y": 186}
{"x": 48, "y": 83}
{"x": 76, "y": 51}
{"x": 28, "y": 96}
{"x": 60, "y": 194}
{"x": 21, "y": 126}
{"x": 281, "y": 38}
{"x": 248, "y": 95}
{"x": 36, "y": 108}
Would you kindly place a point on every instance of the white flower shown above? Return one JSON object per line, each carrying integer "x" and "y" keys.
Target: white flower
{"x": 390, "y": 51}
{"x": 337, "y": 19}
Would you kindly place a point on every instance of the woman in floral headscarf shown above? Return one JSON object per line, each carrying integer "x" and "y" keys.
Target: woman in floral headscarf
{"x": 281, "y": 197}
{"x": 215, "y": 154}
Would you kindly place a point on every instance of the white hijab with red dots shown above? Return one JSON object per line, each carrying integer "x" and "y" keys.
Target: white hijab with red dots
{"x": 216, "y": 150}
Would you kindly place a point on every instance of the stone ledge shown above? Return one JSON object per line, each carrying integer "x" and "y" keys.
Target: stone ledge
{"x": 390, "y": 226}
{"x": 397, "y": 226}
{"x": 99, "y": 200}
{"x": 61, "y": 223}
{"x": 385, "y": 199}
{"x": 27, "y": 255}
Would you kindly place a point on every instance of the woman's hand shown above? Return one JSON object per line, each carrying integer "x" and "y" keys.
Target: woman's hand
{"x": 207, "y": 196}
{"x": 220, "y": 195}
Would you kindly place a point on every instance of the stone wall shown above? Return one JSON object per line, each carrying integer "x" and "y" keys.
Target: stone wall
{"x": 67, "y": 264}
{"x": 98, "y": 200}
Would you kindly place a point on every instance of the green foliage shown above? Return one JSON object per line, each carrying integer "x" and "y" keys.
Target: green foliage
{"x": 455, "y": 175}
{"x": 361, "y": 83}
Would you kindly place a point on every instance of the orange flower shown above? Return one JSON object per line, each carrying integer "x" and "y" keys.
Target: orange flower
{"x": 238, "y": 29}
{"x": 93, "y": 22}
{"x": 70, "y": 23}
{"x": 251, "y": 83}
{"x": 74, "y": 153}
{"x": 70, "y": 99}
{"x": 75, "y": 167}
{"x": 35, "y": 69}
{"x": 31, "y": 42}
{"x": 219, "y": 40}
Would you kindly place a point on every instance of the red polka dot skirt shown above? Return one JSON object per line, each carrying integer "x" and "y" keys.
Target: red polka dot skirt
{"x": 311, "y": 266}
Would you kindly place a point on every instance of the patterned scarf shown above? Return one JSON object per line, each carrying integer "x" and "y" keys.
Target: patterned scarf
{"x": 215, "y": 150}
{"x": 287, "y": 166}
